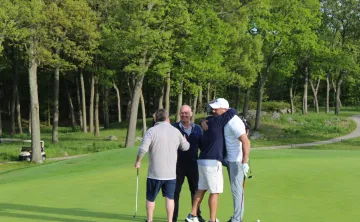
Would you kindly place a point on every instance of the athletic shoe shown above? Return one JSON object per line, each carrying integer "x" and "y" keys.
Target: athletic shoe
{"x": 201, "y": 219}
{"x": 217, "y": 220}
{"x": 191, "y": 218}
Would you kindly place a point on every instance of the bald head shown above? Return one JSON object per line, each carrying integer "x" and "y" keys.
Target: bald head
{"x": 185, "y": 114}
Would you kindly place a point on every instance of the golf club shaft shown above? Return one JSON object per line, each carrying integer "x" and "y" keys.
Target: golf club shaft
{"x": 137, "y": 191}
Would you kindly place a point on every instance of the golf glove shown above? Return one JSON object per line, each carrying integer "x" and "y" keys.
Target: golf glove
{"x": 245, "y": 168}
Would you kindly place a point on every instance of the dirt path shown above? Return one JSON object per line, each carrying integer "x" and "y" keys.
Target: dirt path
{"x": 354, "y": 134}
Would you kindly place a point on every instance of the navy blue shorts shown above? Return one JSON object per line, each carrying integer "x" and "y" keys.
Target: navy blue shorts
{"x": 153, "y": 187}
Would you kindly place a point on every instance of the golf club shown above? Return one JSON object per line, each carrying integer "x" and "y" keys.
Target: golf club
{"x": 250, "y": 173}
{"x": 137, "y": 191}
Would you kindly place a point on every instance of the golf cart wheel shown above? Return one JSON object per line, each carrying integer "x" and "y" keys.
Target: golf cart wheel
{"x": 28, "y": 159}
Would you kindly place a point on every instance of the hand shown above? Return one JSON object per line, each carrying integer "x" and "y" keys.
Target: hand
{"x": 204, "y": 125}
{"x": 137, "y": 164}
{"x": 245, "y": 168}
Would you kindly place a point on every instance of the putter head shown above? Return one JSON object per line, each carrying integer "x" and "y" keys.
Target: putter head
{"x": 250, "y": 176}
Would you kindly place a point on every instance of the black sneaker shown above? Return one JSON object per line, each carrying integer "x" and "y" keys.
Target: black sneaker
{"x": 201, "y": 219}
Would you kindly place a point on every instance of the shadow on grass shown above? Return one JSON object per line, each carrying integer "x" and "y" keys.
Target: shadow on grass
{"x": 4, "y": 207}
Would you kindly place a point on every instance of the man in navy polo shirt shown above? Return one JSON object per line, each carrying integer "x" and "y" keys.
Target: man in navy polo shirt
{"x": 187, "y": 160}
{"x": 210, "y": 159}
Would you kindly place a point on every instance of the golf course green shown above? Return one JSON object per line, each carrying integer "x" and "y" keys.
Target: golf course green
{"x": 288, "y": 185}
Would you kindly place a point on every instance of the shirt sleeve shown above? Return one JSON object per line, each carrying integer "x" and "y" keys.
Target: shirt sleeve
{"x": 184, "y": 144}
{"x": 145, "y": 145}
{"x": 237, "y": 127}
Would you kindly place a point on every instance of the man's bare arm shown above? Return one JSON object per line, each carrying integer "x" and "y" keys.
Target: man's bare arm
{"x": 245, "y": 147}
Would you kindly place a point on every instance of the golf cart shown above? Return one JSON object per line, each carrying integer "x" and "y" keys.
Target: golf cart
{"x": 25, "y": 152}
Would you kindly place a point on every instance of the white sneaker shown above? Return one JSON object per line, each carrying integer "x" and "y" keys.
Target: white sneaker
{"x": 191, "y": 218}
{"x": 217, "y": 220}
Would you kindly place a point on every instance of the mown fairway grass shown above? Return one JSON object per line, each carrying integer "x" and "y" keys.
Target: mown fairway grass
{"x": 288, "y": 185}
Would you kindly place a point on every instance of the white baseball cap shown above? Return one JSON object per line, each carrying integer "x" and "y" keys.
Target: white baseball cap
{"x": 220, "y": 103}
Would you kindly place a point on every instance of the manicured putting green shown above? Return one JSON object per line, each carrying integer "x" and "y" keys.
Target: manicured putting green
{"x": 288, "y": 186}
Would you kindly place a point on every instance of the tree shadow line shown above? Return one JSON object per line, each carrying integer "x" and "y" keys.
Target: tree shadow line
{"x": 79, "y": 212}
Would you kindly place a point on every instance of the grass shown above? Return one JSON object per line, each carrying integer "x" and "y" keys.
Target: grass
{"x": 288, "y": 185}
{"x": 289, "y": 129}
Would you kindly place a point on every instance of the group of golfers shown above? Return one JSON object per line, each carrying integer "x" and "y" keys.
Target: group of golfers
{"x": 173, "y": 155}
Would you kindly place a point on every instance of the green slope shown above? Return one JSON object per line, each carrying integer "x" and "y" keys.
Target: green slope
{"x": 288, "y": 185}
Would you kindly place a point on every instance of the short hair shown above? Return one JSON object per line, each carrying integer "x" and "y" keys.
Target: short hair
{"x": 161, "y": 115}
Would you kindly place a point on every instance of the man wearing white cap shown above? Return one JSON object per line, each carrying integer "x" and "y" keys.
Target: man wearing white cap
{"x": 237, "y": 156}
{"x": 211, "y": 156}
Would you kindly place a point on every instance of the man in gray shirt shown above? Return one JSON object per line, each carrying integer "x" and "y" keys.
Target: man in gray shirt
{"x": 162, "y": 142}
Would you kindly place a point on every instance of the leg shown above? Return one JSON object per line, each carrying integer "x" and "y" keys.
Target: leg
{"x": 199, "y": 195}
{"x": 216, "y": 186}
{"x": 213, "y": 204}
{"x": 180, "y": 176}
{"x": 169, "y": 208}
{"x": 168, "y": 190}
{"x": 192, "y": 175}
{"x": 152, "y": 189}
{"x": 150, "y": 206}
{"x": 236, "y": 177}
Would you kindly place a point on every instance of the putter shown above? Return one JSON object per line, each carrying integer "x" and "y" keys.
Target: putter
{"x": 137, "y": 191}
{"x": 250, "y": 173}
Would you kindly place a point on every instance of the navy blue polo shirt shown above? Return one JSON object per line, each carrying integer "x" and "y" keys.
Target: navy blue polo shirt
{"x": 213, "y": 138}
{"x": 195, "y": 140}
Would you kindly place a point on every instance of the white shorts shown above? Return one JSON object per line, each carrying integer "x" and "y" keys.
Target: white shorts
{"x": 211, "y": 177}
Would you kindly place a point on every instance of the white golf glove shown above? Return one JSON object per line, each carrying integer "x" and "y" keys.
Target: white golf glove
{"x": 245, "y": 168}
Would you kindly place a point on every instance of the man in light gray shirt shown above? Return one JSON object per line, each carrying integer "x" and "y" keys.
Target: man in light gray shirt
{"x": 162, "y": 142}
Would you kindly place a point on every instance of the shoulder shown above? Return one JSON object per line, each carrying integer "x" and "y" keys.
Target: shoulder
{"x": 235, "y": 122}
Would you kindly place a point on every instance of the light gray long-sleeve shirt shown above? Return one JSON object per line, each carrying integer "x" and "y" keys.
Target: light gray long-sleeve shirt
{"x": 162, "y": 142}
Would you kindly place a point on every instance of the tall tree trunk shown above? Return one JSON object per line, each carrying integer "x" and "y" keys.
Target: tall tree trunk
{"x": 118, "y": 101}
{"x": 106, "y": 107}
{"x": 55, "y": 125}
{"x": 143, "y": 112}
{"x": 1, "y": 132}
{"x": 29, "y": 125}
{"x": 34, "y": 102}
{"x": 83, "y": 101}
{"x": 261, "y": 80}
{"x": 305, "y": 95}
{"x": 335, "y": 93}
{"x": 246, "y": 103}
{"x": 167, "y": 94}
{"x": 161, "y": 99}
{"x": 338, "y": 92}
{"x": 91, "y": 104}
{"x": 131, "y": 133}
{"x": 214, "y": 97}
{"x": 71, "y": 106}
{"x": 96, "y": 117}
{"x": 292, "y": 107}
{"x": 79, "y": 102}
{"x": 18, "y": 112}
{"x": 131, "y": 87}
{"x": 315, "y": 93}
{"x": 194, "y": 107}
{"x": 208, "y": 93}
{"x": 179, "y": 101}
{"x": 13, "y": 98}
{"x": 200, "y": 107}
{"x": 327, "y": 108}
